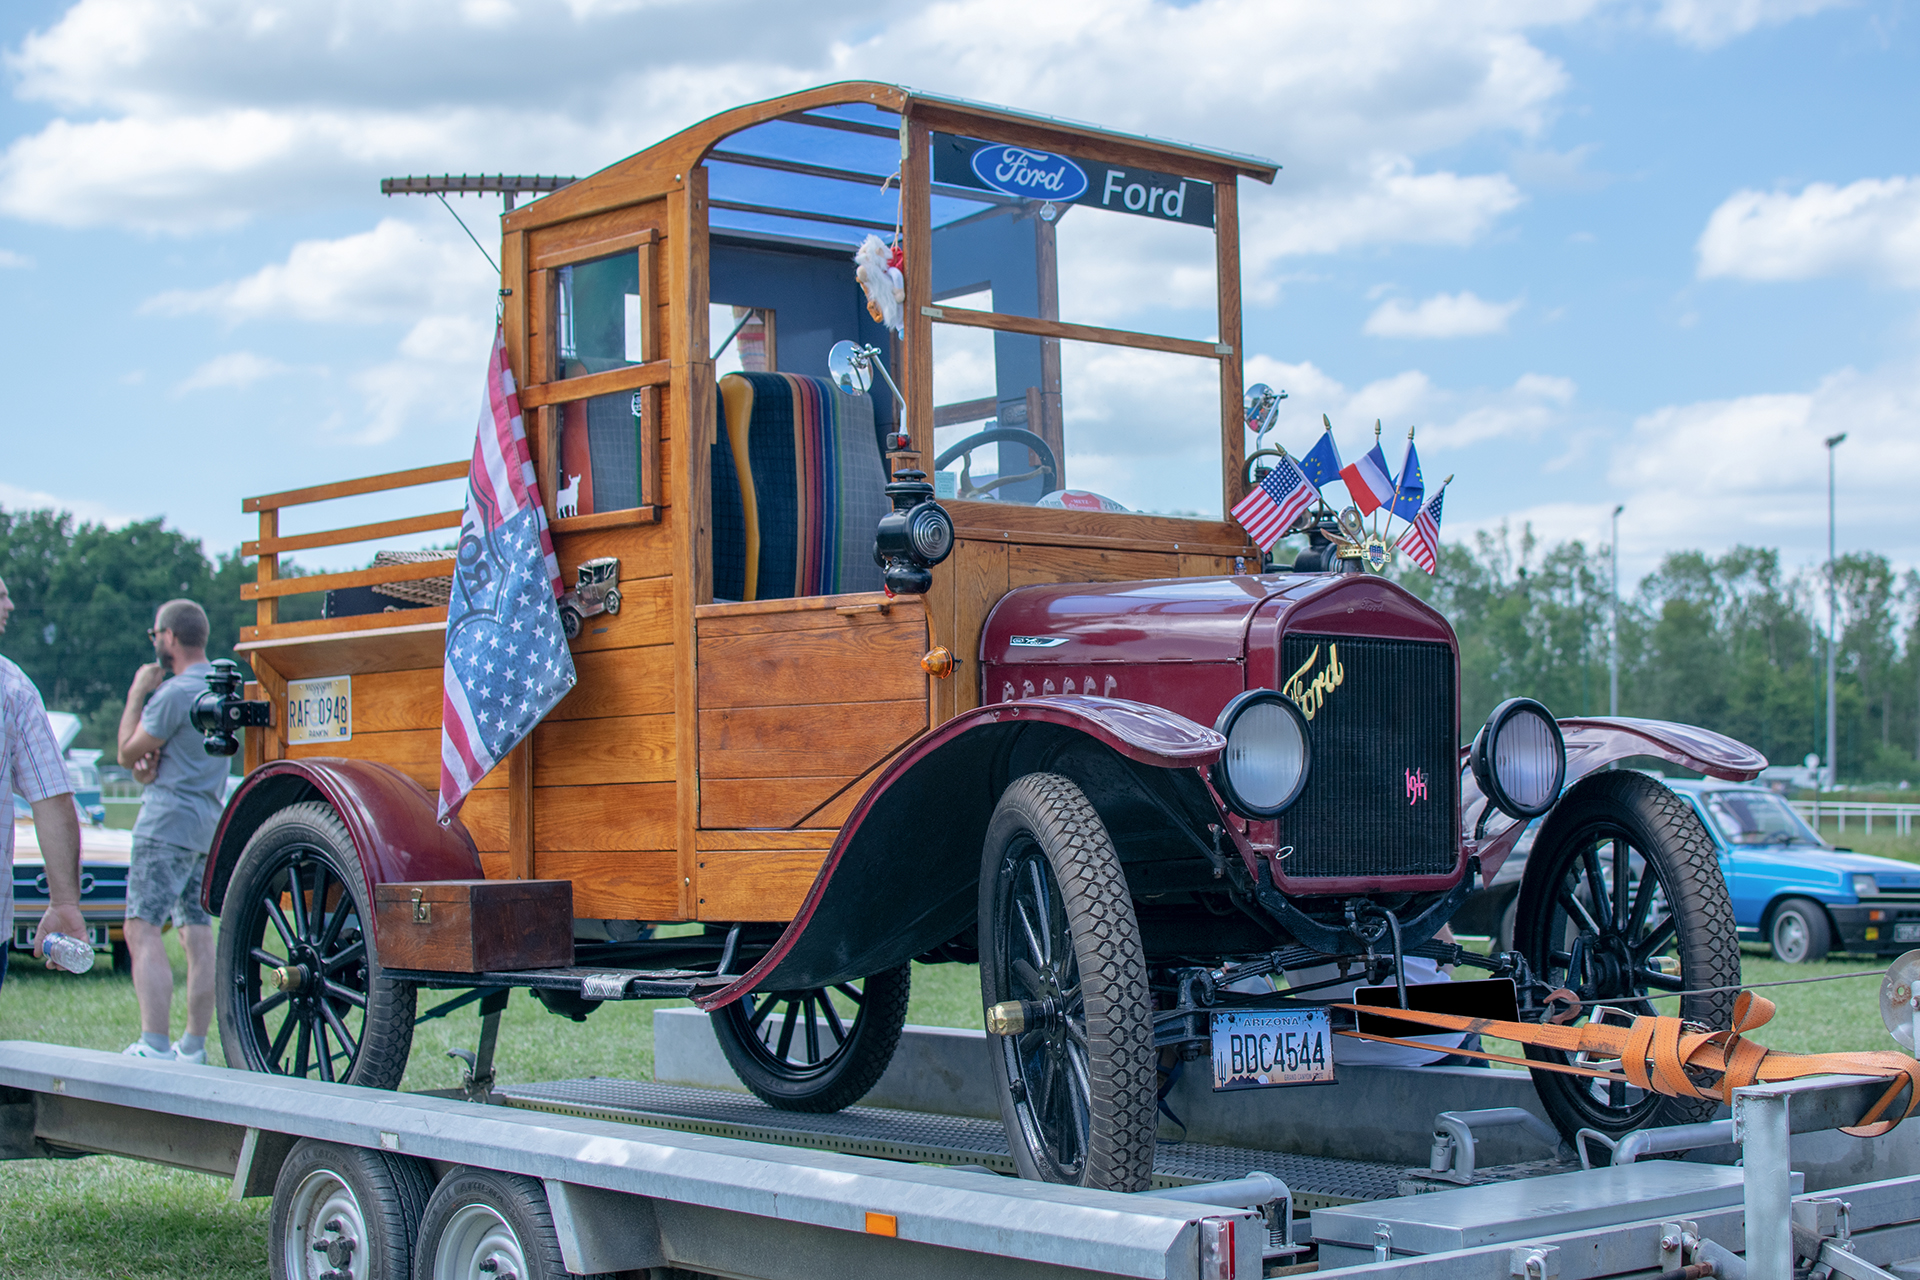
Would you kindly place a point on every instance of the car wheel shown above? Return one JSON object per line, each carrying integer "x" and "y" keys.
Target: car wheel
{"x": 1622, "y": 878}
{"x": 612, "y": 600}
{"x": 1060, "y": 944}
{"x": 345, "y": 1211}
{"x": 1798, "y": 932}
{"x": 815, "y": 1050}
{"x": 301, "y": 992}
{"x": 483, "y": 1225}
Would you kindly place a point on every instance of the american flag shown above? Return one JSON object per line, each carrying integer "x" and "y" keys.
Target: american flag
{"x": 507, "y": 658}
{"x": 1270, "y": 510}
{"x": 1423, "y": 540}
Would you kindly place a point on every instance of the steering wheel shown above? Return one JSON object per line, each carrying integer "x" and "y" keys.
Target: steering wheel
{"x": 1255, "y": 456}
{"x": 1049, "y": 464}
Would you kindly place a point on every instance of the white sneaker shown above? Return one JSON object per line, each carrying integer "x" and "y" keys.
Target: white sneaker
{"x": 141, "y": 1049}
{"x": 197, "y": 1059}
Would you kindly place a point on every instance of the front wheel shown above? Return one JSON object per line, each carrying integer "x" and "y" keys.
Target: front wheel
{"x": 819, "y": 1049}
{"x": 1798, "y": 932}
{"x": 1622, "y": 889}
{"x": 1063, "y": 975}
{"x": 300, "y": 990}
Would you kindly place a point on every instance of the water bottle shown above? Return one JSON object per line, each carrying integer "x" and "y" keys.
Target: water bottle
{"x": 71, "y": 954}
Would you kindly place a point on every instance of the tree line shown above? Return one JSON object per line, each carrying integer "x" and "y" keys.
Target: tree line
{"x": 1734, "y": 643}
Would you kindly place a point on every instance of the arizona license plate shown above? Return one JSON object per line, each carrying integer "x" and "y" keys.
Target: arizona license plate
{"x": 1256, "y": 1048}
{"x": 1906, "y": 933}
{"x": 319, "y": 710}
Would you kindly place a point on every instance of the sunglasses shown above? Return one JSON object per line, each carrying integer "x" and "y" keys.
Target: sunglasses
{"x": 154, "y": 632}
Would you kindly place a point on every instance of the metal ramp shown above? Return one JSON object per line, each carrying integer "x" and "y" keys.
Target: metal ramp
{"x": 925, "y": 1138}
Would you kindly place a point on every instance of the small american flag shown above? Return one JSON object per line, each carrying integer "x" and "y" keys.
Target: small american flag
{"x": 1423, "y": 540}
{"x": 507, "y": 660}
{"x": 1275, "y": 503}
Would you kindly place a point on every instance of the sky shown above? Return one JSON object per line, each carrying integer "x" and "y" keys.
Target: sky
{"x": 1597, "y": 252}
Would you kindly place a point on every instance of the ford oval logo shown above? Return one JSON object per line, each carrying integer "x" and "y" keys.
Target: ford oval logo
{"x": 1022, "y": 171}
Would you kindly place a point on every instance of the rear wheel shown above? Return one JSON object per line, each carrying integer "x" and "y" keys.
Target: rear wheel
{"x": 818, "y": 1049}
{"x": 1798, "y": 932}
{"x": 1060, "y": 948}
{"x": 343, "y": 1211}
{"x": 1622, "y": 887}
{"x": 484, "y": 1225}
{"x": 300, "y": 990}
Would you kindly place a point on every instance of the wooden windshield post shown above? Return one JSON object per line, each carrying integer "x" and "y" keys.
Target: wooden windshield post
{"x": 1226, "y": 248}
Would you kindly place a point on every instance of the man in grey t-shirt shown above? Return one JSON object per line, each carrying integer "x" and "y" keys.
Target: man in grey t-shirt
{"x": 185, "y": 790}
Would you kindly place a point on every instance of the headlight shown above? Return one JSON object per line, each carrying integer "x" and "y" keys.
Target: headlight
{"x": 1520, "y": 759}
{"x": 1865, "y": 887}
{"x": 1264, "y": 766}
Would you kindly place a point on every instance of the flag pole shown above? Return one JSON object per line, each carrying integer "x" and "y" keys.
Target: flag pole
{"x": 1399, "y": 483}
{"x": 1409, "y": 529}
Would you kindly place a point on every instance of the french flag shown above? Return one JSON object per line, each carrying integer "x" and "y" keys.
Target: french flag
{"x": 1369, "y": 481}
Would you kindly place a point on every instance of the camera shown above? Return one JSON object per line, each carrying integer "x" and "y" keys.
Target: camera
{"x": 221, "y": 711}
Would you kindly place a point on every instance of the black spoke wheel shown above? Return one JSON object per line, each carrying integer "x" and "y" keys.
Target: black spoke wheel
{"x": 1060, "y": 943}
{"x": 301, "y": 991}
{"x": 818, "y": 1049}
{"x": 1622, "y": 889}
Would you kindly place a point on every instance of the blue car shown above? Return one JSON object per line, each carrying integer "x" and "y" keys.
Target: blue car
{"x": 1791, "y": 890}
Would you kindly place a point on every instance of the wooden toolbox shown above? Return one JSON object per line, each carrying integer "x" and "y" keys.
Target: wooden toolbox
{"x": 474, "y": 926}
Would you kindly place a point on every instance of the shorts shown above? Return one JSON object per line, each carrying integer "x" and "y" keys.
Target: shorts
{"x": 163, "y": 882}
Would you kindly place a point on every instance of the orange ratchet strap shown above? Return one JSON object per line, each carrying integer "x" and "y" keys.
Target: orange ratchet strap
{"x": 1658, "y": 1053}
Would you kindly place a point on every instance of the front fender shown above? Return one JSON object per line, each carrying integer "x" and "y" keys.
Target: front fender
{"x": 1593, "y": 743}
{"x": 389, "y": 816}
{"x": 903, "y": 875}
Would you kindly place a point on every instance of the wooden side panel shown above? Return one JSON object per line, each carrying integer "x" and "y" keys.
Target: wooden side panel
{"x": 980, "y": 579}
{"x": 386, "y": 701}
{"x": 609, "y": 819}
{"x": 618, "y": 886}
{"x": 485, "y": 817}
{"x": 754, "y": 884}
{"x": 615, "y": 749}
{"x": 854, "y": 661}
{"x": 595, "y": 236}
{"x": 619, "y": 682}
{"x": 1027, "y": 566}
{"x": 836, "y": 740}
{"x": 414, "y": 752}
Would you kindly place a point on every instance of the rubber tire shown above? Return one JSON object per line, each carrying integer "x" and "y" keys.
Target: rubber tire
{"x": 848, "y": 1075}
{"x": 390, "y": 1194}
{"x": 520, "y": 1201}
{"x": 1053, "y": 813}
{"x": 1817, "y": 933}
{"x": 387, "y": 1034}
{"x": 1664, "y": 829}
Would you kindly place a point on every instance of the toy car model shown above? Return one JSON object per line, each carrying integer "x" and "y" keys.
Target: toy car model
{"x": 1100, "y": 751}
{"x": 598, "y": 591}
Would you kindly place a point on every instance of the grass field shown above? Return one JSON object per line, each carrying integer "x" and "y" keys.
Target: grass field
{"x": 109, "y": 1219}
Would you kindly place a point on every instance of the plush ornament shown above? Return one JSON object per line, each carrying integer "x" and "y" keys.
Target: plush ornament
{"x": 881, "y": 272}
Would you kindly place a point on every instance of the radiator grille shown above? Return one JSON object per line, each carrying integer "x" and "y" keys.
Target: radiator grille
{"x": 1383, "y": 795}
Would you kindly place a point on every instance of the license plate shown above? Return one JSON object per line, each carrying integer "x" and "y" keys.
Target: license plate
{"x": 1257, "y": 1048}
{"x": 1906, "y": 933}
{"x": 319, "y": 710}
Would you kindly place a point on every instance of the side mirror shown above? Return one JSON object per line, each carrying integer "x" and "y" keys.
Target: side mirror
{"x": 850, "y": 367}
{"x": 1262, "y": 406}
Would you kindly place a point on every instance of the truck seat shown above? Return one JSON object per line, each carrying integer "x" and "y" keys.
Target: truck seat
{"x": 798, "y": 487}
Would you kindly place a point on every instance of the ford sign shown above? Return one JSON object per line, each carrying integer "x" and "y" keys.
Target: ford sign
{"x": 1036, "y": 175}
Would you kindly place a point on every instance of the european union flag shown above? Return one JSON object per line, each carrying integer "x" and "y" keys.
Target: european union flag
{"x": 1407, "y": 499}
{"x": 1321, "y": 465}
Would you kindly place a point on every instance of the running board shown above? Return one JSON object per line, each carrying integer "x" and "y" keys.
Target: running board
{"x": 587, "y": 983}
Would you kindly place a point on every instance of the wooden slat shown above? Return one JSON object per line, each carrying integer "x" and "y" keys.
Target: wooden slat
{"x": 1076, "y": 332}
{"x": 647, "y": 514}
{"x": 1051, "y": 526}
{"x": 582, "y": 753}
{"x": 354, "y": 533}
{"x": 917, "y": 220}
{"x": 631, "y": 378}
{"x": 273, "y": 687}
{"x": 764, "y": 802}
{"x": 351, "y": 653}
{"x": 940, "y": 603}
{"x": 319, "y": 627}
{"x": 560, "y": 256}
{"x": 1027, "y": 566}
{"x": 690, "y": 399}
{"x": 618, "y": 682}
{"x": 493, "y": 865}
{"x": 981, "y": 579}
{"x": 948, "y": 415}
{"x": 651, "y": 461}
{"x": 645, "y": 618}
{"x": 513, "y": 301}
{"x": 629, "y": 817}
{"x": 416, "y": 572}
{"x": 644, "y": 551}
{"x": 1211, "y": 566}
{"x": 484, "y": 815}
{"x": 266, "y": 569}
{"x": 391, "y": 701}
{"x": 830, "y": 740}
{"x": 618, "y": 886}
{"x": 1233, "y": 432}
{"x": 366, "y": 484}
{"x": 803, "y": 668}
{"x": 651, "y": 348}
{"x": 817, "y": 841}
{"x": 415, "y": 753}
{"x": 754, "y": 884}
{"x": 520, "y": 806}
{"x": 716, "y": 614}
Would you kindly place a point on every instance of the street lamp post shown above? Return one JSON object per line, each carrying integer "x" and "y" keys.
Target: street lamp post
{"x": 1613, "y": 622}
{"x": 1833, "y": 614}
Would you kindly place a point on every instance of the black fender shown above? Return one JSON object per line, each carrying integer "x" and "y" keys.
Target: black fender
{"x": 389, "y": 816}
{"x": 903, "y": 875}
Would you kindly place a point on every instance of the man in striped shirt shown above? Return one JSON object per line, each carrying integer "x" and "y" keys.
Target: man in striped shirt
{"x": 30, "y": 764}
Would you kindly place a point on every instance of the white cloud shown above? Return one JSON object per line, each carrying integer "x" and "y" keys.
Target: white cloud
{"x": 236, "y": 369}
{"x": 1869, "y": 228}
{"x": 1443, "y": 419}
{"x": 15, "y": 498}
{"x": 1444, "y": 315}
{"x": 1707, "y": 24}
{"x": 11, "y": 261}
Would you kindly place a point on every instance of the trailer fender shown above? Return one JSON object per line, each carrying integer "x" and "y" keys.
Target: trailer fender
{"x": 903, "y": 875}
{"x": 1593, "y": 743}
{"x": 390, "y": 817}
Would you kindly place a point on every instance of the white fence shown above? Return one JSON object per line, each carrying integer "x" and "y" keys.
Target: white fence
{"x": 1818, "y": 811}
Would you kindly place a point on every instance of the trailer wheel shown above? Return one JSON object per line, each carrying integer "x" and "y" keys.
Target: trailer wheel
{"x": 345, "y": 1211}
{"x": 1058, "y": 935}
{"x": 816, "y": 1050}
{"x": 301, "y": 992}
{"x": 1622, "y": 877}
{"x": 484, "y": 1225}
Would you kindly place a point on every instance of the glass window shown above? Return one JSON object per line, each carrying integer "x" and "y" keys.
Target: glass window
{"x": 597, "y": 309}
{"x": 600, "y": 458}
{"x": 1758, "y": 818}
{"x": 747, "y": 335}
